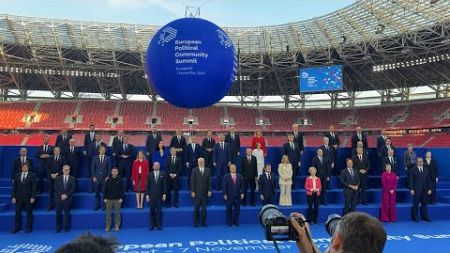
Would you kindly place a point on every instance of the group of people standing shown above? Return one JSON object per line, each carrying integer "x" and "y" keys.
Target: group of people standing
{"x": 154, "y": 173}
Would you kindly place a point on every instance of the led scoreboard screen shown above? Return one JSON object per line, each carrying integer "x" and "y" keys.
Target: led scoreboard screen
{"x": 321, "y": 79}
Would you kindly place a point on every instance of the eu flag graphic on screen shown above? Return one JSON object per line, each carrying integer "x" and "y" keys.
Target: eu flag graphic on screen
{"x": 319, "y": 79}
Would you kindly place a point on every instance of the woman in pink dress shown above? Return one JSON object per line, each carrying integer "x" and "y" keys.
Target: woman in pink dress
{"x": 389, "y": 190}
{"x": 139, "y": 174}
{"x": 259, "y": 138}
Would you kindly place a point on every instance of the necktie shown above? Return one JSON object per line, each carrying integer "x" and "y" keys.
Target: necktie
{"x": 320, "y": 159}
{"x": 154, "y": 136}
{"x": 292, "y": 145}
{"x": 332, "y": 135}
{"x": 23, "y": 177}
{"x": 173, "y": 159}
{"x": 326, "y": 147}
{"x": 71, "y": 149}
{"x": 351, "y": 172}
{"x": 24, "y": 159}
{"x": 222, "y": 145}
{"x": 233, "y": 176}
{"x": 125, "y": 147}
{"x": 156, "y": 176}
{"x": 201, "y": 171}
{"x": 360, "y": 157}
{"x": 178, "y": 138}
{"x": 232, "y": 137}
{"x": 101, "y": 159}
{"x": 268, "y": 176}
{"x": 56, "y": 158}
{"x": 45, "y": 148}
{"x": 249, "y": 159}
{"x": 193, "y": 147}
{"x": 390, "y": 159}
{"x": 65, "y": 181}
{"x": 420, "y": 169}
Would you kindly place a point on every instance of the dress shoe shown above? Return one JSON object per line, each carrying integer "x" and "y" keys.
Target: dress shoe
{"x": 66, "y": 230}
{"x": 152, "y": 228}
{"x": 96, "y": 208}
{"x": 415, "y": 219}
{"x": 176, "y": 206}
{"x": 15, "y": 231}
{"x": 159, "y": 227}
{"x": 49, "y": 209}
{"x": 196, "y": 225}
{"x": 204, "y": 225}
{"x": 426, "y": 219}
{"x": 58, "y": 230}
{"x": 28, "y": 230}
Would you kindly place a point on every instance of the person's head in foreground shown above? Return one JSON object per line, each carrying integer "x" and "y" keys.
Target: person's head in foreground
{"x": 356, "y": 233}
{"x": 89, "y": 244}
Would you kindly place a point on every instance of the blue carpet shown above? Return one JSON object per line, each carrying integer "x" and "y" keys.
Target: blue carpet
{"x": 402, "y": 237}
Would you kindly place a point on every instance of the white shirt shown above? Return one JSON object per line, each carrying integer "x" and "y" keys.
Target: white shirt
{"x": 24, "y": 176}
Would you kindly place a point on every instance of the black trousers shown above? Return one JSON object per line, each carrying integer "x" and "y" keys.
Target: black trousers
{"x": 98, "y": 188}
{"x": 172, "y": 185}
{"x": 249, "y": 184}
{"x": 295, "y": 170}
{"x": 433, "y": 196}
{"x": 41, "y": 173}
{"x": 60, "y": 207}
{"x": 323, "y": 183}
{"x": 125, "y": 171}
{"x": 268, "y": 200}
{"x": 233, "y": 210}
{"x": 51, "y": 192}
{"x": 23, "y": 203}
{"x": 200, "y": 201}
{"x": 422, "y": 199}
{"x": 363, "y": 188}
{"x": 313, "y": 207}
{"x": 209, "y": 162}
{"x": 351, "y": 198}
{"x": 155, "y": 212}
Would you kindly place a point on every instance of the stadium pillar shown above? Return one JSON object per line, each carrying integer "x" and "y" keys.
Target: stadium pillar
{"x": 4, "y": 94}
{"x": 23, "y": 94}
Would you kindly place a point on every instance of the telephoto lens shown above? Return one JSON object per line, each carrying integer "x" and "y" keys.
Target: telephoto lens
{"x": 276, "y": 225}
{"x": 332, "y": 222}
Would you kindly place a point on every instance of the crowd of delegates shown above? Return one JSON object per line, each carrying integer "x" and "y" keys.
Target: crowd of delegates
{"x": 154, "y": 174}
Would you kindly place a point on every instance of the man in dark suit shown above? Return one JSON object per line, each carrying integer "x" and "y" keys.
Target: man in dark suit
{"x": 266, "y": 186}
{"x": 333, "y": 137}
{"x": 384, "y": 149}
{"x": 208, "y": 147}
{"x": 409, "y": 160}
{"x": 381, "y": 141}
{"x": 179, "y": 143}
{"x": 250, "y": 175}
{"x": 116, "y": 145}
{"x": 328, "y": 152}
{"x": 361, "y": 163}
{"x": 222, "y": 159}
{"x": 62, "y": 140}
{"x": 233, "y": 193}
{"x": 173, "y": 167}
{"x": 292, "y": 150}
{"x": 100, "y": 170}
{"x": 434, "y": 175}
{"x": 125, "y": 154}
{"x": 200, "y": 191}
{"x": 359, "y": 136}
{"x": 89, "y": 138}
{"x": 419, "y": 187}
{"x": 193, "y": 152}
{"x": 53, "y": 171}
{"x": 23, "y": 196}
{"x": 43, "y": 154}
{"x": 235, "y": 143}
{"x": 298, "y": 138}
{"x": 155, "y": 195}
{"x": 64, "y": 189}
{"x": 360, "y": 144}
{"x": 391, "y": 159}
{"x": 94, "y": 146}
{"x": 23, "y": 158}
{"x": 323, "y": 168}
{"x": 153, "y": 139}
{"x": 350, "y": 183}
{"x": 72, "y": 154}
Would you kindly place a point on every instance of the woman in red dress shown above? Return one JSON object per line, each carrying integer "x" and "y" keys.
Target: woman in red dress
{"x": 259, "y": 138}
{"x": 140, "y": 172}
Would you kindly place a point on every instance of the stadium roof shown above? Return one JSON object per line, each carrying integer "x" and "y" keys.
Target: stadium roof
{"x": 382, "y": 44}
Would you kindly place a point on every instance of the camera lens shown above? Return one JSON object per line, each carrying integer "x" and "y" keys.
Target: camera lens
{"x": 331, "y": 223}
{"x": 270, "y": 212}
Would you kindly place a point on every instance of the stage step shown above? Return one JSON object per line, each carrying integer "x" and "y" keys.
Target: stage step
{"x": 139, "y": 218}
{"x": 87, "y": 200}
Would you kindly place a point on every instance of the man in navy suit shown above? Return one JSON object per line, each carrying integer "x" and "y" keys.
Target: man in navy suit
{"x": 64, "y": 189}
{"x": 173, "y": 167}
{"x": 100, "y": 170}
{"x": 361, "y": 163}
{"x": 292, "y": 150}
{"x": 266, "y": 186}
{"x": 419, "y": 187}
{"x": 359, "y": 136}
{"x": 333, "y": 138}
{"x": 45, "y": 151}
{"x": 155, "y": 195}
{"x": 193, "y": 152}
{"x": 200, "y": 188}
{"x": 116, "y": 145}
{"x": 222, "y": 159}
{"x": 328, "y": 152}
{"x": 152, "y": 141}
{"x": 208, "y": 149}
{"x": 62, "y": 140}
{"x": 126, "y": 156}
{"x": 350, "y": 183}
{"x": 23, "y": 158}
{"x": 323, "y": 168}
{"x": 298, "y": 138}
{"x": 250, "y": 175}
{"x": 233, "y": 193}
{"x": 23, "y": 196}
{"x": 53, "y": 171}
{"x": 386, "y": 147}
{"x": 179, "y": 143}
{"x": 72, "y": 154}
{"x": 89, "y": 138}
{"x": 93, "y": 152}
{"x": 393, "y": 161}
{"x": 235, "y": 143}
{"x": 381, "y": 141}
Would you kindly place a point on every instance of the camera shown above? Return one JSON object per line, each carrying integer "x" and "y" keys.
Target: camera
{"x": 331, "y": 223}
{"x": 277, "y": 226}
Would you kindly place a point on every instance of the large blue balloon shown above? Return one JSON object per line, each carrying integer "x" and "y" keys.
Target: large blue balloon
{"x": 191, "y": 63}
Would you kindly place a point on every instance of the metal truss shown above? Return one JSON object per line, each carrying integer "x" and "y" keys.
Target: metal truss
{"x": 90, "y": 57}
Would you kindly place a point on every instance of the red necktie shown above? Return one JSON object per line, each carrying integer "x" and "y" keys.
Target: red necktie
{"x": 233, "y": 176}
